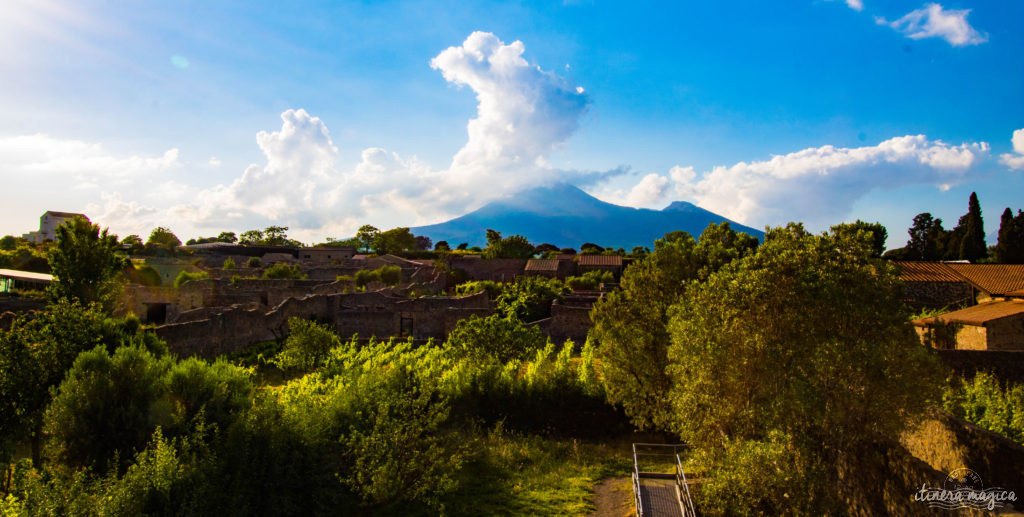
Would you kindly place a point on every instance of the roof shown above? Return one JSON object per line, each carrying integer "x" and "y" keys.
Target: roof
{"x": 1016, "y": 294}
{"x": 25, "y": 275}
{"x": 63, "y": 214}
{"x": 995, "y": 279}
{"x": 542, "y": 265}
{"x": 599, "y": 260}
{"x": 977, "y": 315}
{"x": 927, "y": 272}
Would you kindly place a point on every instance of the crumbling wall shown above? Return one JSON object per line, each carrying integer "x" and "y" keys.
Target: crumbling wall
{"x": 497, "y": 270}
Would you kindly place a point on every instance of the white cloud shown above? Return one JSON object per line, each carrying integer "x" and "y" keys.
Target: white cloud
{"x": 1015, "y": 160}
{"x": 69, "y": 163}
{"x": 856, "y": 5}
{"x": 932, "y": 21}
{"x": 818, "y": 185}
{"x": 523, "y": 114}
{"x": 214, "y": 161}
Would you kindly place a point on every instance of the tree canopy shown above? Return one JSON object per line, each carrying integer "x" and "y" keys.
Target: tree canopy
{"x": 85, "y": 263}
{"x": 515, "y": 246}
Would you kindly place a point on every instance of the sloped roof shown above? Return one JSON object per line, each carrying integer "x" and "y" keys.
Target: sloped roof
{"x": 977, "y": 315}
{"x": 599, "y": 260}
{"x": 25, "y": 275}
{"x": 542, "y": 265}
{"x": 927, "y": 272}
{"x": 1016, "y": 294}
{"x": 64, "y": 214}
{"x": 995, "y": 279}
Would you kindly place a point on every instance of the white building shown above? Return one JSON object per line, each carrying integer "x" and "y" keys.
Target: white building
{"x": 48, "y": 224}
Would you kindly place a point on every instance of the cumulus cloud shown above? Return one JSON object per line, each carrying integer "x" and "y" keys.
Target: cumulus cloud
{"x": 856, "y": 5}
{"x": 1015, "y": 160}
{"x": 523, "y": 114}
{"x": 819, "y": 184}
{"x": 932, "y": 21}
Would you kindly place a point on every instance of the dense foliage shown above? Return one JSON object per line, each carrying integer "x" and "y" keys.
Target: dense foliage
{"x": 984, "y": 401}
{"x": 284, "y": 271}
{"x": 85, "y": 263}
{"x": 188, "y": 276}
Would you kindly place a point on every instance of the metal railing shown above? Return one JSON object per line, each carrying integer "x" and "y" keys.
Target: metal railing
{"x": 686, "y": 501}
{"x": 683, "y": 487}
{"x": 637, "y": 500}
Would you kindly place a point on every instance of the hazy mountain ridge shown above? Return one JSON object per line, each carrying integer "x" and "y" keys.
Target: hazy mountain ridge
{"x": 566, "y": 216}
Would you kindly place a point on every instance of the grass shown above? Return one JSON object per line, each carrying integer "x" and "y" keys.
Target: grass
{"x": 513, "y": 474}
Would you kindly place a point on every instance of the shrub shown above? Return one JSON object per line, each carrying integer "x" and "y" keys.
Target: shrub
{"x": 492, "y": 288}
{"x": 186, "y": 276}
{"x": 253, "y": 262}
{"x": 284, "y": 270}
{"x": 146, "y": 275}
{"x": 307, "y": 346}
{"x": 985, "y": 402}
{"x": 590, "y": 280}
{"x": 229, "y": 263}
{"x": 503, "y": 339}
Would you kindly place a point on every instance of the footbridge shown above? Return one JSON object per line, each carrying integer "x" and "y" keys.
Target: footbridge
{"x": 657, "y": 493}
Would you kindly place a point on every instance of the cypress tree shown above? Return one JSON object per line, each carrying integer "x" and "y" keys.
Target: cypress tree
{"x": 972, "y": 232}
{"x": 1010, "y": 247}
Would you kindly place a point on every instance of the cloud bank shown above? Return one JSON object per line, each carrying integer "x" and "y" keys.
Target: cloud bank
{"x": 817, "y": 185}
{"x": 932, "y": 21}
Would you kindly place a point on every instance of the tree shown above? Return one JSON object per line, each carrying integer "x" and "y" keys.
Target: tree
{"x": 307, "y": 346}
{"x": 442, "y": 246}
{"x": 589, "y": 248}
{"x": 36, "y": 352}
{"x": 630, "y": 323}
{"x": 275, "y": 236}
{"x": 1010, "y": 246}
{"x": 251, "y": 238}
{"x": 423, "y": 242}
{"x": 367, "y": 235}
{"x": 967, "y": 241}
{"x": 462, "y": 246}
{"x": 515, "y": 246}
{"x": 284, "y": 271}
{"x": 927, "y": 238}
{"x": 162, "y": 239}
{"x": 85, "y": 263}
{"x": 8, "y": 242}
{"x": 228, "y": 237}
{"x": 529, "y": 298}
{"x": 876, "y": 233}
{"x": 497, "y": 337}
{"x": 393, "y": 241}
{"x": 802, "y": 351}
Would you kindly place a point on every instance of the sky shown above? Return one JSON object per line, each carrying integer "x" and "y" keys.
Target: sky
{"x": 323, "y": 116}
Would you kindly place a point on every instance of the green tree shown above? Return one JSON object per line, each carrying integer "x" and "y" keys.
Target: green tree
{"x": 876, "y": 233}
{"x": 367, "y": 235}
{"x": 85, "y": 263}
{"x": 162, "y": 240}
{"x": 1010, "y": 246}
{"x": 529, "y": 298}
{"x": 803, "y": 347}
{"x": 228, "y": 237}
{"x": 251, "y": 238}
{"x": 497, "y": 337}
{"x": 515, "y": 246}
{"x": 308, "y": 345}
{"x": 442, "y": 246}
{"x": 8, "y": 242}
{"x": 927, "y": 238}
{"x": 630, "y": 323}
{"x": 967, "y": 241}
{"x": 393, "y": 241}
{"x": 36, "y": 352}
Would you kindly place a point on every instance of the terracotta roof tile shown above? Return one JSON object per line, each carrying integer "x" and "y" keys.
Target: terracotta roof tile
{"x": 599, "y": 260}
{"x": 995, "y": 279}
{"x": 927, "y": 272}
{"x": 978, "y": 314}
{"x": 542, "y": 265}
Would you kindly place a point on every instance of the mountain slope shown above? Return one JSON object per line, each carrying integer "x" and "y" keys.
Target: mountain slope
{"x": 566, "y": 216}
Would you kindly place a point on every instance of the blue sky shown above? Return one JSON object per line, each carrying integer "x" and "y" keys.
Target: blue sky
{"x": 324, "y": 116}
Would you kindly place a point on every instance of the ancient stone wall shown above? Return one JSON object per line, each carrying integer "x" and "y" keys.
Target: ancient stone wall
{"x": 1006, "y": 333}
{"x": 1008, "y": 366}
{"x": 379, "y": 314}
{"x": 498, "y": 270}
{"x": 937, "y": 295}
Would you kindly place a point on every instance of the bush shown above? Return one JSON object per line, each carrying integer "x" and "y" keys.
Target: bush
{"x": 492, "y": 288}
{"x": 590, "y": 280}
{"x": 186, "y": 276}
{"x": 229, "y": 263}
{"x": 307, "y": 346}
{"x": 145, "y": 275}
{"x": 389, "y": 275}
{"x": 284, "y": 271}
{"x": 253, "y": 262}
{"x": 982, "y": 400}
{"x": 497, "y": 337}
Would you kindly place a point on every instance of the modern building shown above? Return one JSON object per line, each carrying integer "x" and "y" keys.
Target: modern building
{"x": 11, "y": 279}
{"x": 48, "y": 224}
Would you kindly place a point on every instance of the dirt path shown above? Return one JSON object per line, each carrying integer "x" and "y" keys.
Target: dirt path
{"x": 614, "y": 498}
